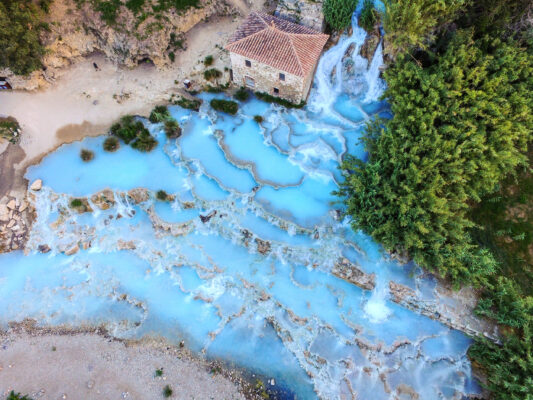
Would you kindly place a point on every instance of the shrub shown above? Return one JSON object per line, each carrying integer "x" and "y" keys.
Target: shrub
{"x": 134, "y": 132}
{"x": 369, "y": 16}
{"x": 135, "y": 6}
{"x": 75, "y": 203}
{"x": 159, "y": 114}
{"x": 171, "y": 56}
{"x": 145, "y": 142}
{"x": 338, "y": 13}
{"x": 161, "y": 195}
{"x": 167, "y": 391}
{"x": 189, "y": 104}
{"x": 86, "y": 155}
{"x": 282, "y": 102}
{"x": 208, "y": 61}
{"x": 258, "y": 119}
{"x": 172, "y": 129}
{"x": 242, "y": 94}
{"x": 213, "y": 73}
{"x": 109, "y": 10}
{"x": 10, "y": 129}
{"x": 227, "y": 106}
{"x": 16, "y": 396}
{"x": 159, "y": 371}
{"x": 111, "y": 144}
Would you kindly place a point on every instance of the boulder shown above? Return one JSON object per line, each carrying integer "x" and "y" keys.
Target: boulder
{"x": 12, "y": 205}
{"x": 4, "y": 213}
{"x": 73, "y": 250}
{"x": 23, "y": 206}
{"x": 43, "y": 248}
{"x": 263, "y": 246}
{"x": 370, "y": 45}
{"x": 36, "y": 185}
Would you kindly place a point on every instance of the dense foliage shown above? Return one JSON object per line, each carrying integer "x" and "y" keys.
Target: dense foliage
{"x": 172, "y": 129}
{"x": 460, "y": 125}
{"x": 369, "y": 16}
{"x": 159, "y": 114}
{"x": 134, "y": 133}
{"x": 20, "y": 29}
{"x": 338, "y": 13}
{"x": 227, "y": 106}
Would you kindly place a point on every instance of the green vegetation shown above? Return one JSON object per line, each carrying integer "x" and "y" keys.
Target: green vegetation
{"x": 135, "y": 6}
{"x": 369, "y": 16}
{"x": 208, "y": 61}
{"x": 20, "y": 29}
{"x": 172, "y": 129}
{"x": 448, "y": 179}
{"x": 227, "y": 106}
{"x": 163, "y": 196}
{"x": 273, "y": 99}
{"x": 134, "y": 132}
{"x": 258, "y": 119}
{"x": 9, "y": 129}
{"x": 109, "y": 10}
{"x": 159, "y": 371}
{"x": 159, "y": 114}
{"x": 76, "y": 203}
{"x": 16, "y": 396}
{"x": 86, "y": 155}
{"x": 189, "y": 104}
{"x": 111, "y": 144}
{"x": 212, "y": 73}
{"x": 167, "y": 391}
{"x": 338, "y": 13}
{"x": 242, "y": 94}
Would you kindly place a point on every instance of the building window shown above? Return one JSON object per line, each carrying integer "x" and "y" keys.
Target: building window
{"x": 276, "y": 91}
{"x": 249, "y": 81}
{"x": 248, "y": 63}
{"x": 281, "y": 77}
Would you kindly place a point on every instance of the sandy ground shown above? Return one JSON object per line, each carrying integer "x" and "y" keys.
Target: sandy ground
{"x": 86, "y": 102}
{"x": 89, "y": 366}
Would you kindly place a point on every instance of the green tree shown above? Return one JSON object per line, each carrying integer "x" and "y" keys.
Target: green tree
{"x": 369, "y": 16}
{"x": 460, "y": 125}
{"x": 338, "y": 13}
{"x": 409, "y": 23}
{"x": 20, "y": 28}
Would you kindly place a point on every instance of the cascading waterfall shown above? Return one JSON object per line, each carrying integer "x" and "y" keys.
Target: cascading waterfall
{"x": 239, "y": 264}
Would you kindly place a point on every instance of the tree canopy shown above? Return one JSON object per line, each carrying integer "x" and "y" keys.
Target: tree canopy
{"x": 20, "y": 28}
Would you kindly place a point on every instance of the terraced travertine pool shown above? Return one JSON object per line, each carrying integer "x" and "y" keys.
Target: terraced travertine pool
{"x": 251, "y": 281}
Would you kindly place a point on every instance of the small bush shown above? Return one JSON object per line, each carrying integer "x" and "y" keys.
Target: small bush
{"x": 159, "y": 114}
{"x": 16, "y": 396}
{"x": 134, "y": 132}
{"x": 86, "y": 155}
{"x": 145, "y": 142}
{"x": 258, "y": 119}
{"x": 242, "y": 94}
{"x": 135, "y": 6}
{"x": 213, "y": 73}
{"x": 111, "y": 144}
{"x": 369, "y": 16}
{"x": 167, "y": 391}
{"x": 338, "y": 13}
{"x": 75, "y": 203}
{"x": 159, "y": 371}
{"x": 161, "y": 195}
{"x": 10, "y": 129}
{"x": 172, "y": 129}
{"x": 227, "y": 106}
{"x": 189, "y": 104}
{"x": 208, "y": 61}
{"x": 273, "y": 99}
{"x": 109, "y": 10}
{"x": 171, "y": 56}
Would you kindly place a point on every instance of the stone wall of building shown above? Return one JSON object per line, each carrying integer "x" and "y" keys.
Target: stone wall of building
{"x": 266, "y": 78}
{"x": 304, "y": 12}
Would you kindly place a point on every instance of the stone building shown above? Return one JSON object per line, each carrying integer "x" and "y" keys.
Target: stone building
{"x": 275, "y": 56}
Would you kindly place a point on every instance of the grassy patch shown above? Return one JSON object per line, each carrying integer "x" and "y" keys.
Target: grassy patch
{"x": 227, "y": 106}
{"x": 273, "y": 99}
{"x": 172, "y": 129}
{"x": 86, "y": 155}
{"x": 109, "y": 10}
{"x": 208, "y": 61}
{"x": 159, "y": 114}
{"x": 212, "y": 73}
{"x": 188, "y": 103}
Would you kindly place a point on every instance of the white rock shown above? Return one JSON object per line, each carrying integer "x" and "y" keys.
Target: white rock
{"x": 23, "y": 206}
{"x": 12, "y": 204}
{"x": 4, "y": 213}
{"x": 11, "y": 223}
{"x": 37, "y": 185}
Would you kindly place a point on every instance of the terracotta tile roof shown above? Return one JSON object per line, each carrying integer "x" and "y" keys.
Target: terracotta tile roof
{"x": 279, "y": 43}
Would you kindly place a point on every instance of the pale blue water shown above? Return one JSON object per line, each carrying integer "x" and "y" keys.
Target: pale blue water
{"x": 282, "y": 315}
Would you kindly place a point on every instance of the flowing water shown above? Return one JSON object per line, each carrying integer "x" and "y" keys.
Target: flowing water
{"x": 250, "y": 282}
